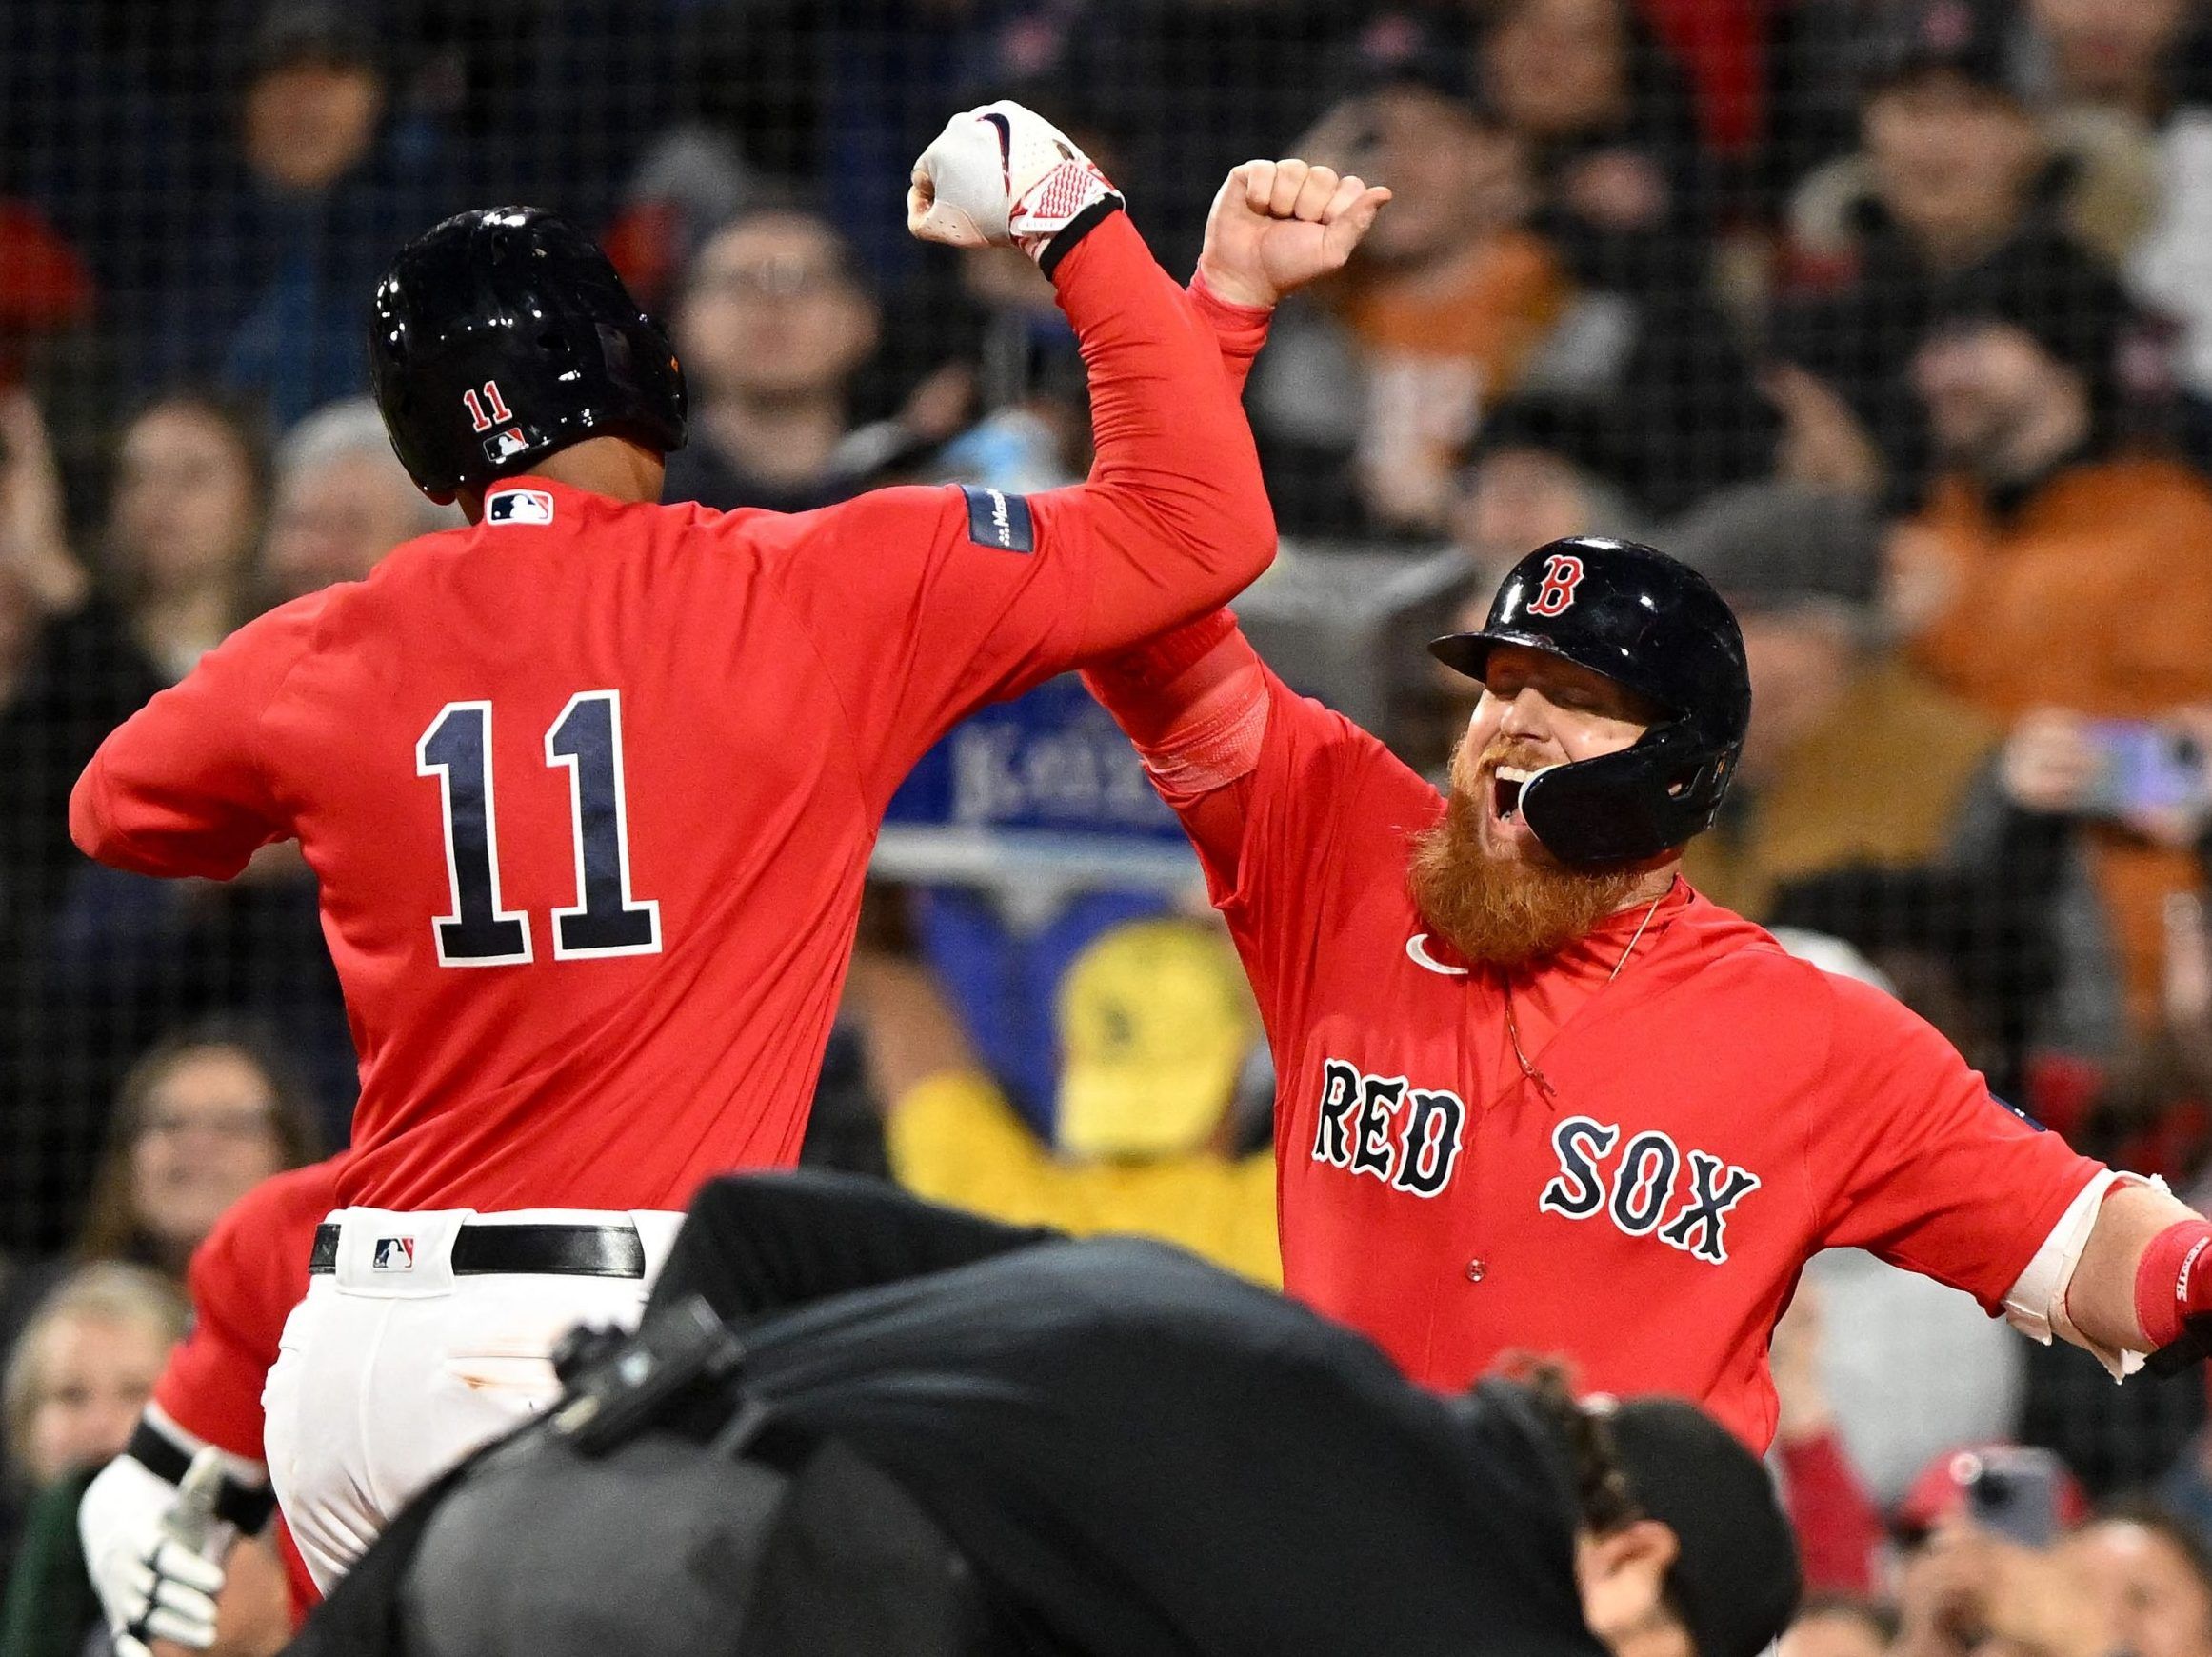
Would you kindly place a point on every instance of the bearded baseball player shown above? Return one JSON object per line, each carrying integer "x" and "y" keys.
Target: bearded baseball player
{"x": 591, "y": 785}
{"x": 1535, "y": 1092}
{"x": 204, "y": 1427}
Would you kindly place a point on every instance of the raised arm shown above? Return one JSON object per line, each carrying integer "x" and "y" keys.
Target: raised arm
{"x": 1173, "y": 518}
{"x": 925, "y": 604}
{"x": 1195, "y": 701}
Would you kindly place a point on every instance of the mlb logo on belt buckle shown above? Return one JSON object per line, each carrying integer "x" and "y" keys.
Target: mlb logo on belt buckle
{"x": 393, "y": 1254}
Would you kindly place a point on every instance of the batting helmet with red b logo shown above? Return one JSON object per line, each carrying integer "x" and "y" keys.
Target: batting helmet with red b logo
{"x": 1653, "y": 624}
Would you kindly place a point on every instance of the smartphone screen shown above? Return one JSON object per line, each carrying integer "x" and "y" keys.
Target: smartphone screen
{"x": 2146, "y": 767}
{"x": 2014, "y": 1491}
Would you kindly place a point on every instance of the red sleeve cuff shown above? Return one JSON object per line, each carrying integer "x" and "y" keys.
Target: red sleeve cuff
{"x": 1243, "y": 329}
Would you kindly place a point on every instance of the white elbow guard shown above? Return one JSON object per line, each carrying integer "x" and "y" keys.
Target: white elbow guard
{"x": 2036, "y": 1304}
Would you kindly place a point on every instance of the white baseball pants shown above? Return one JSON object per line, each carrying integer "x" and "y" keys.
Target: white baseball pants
{"x": 392, "y": 1369}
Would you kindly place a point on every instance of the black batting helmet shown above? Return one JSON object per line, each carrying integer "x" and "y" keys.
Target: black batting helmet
{"x": 502, "y": 334}
{"x": 1653, "y": 624}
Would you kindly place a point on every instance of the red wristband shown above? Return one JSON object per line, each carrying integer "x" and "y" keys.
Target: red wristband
{"x": 2170, "y": 1284}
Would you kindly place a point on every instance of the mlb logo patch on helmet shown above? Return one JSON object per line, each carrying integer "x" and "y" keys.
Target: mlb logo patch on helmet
{"x": 393, "y": 1254}
{"x": 518, "y": 506}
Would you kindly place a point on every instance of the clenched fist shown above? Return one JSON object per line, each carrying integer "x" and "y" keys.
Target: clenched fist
{"x": 1277, "y": 224}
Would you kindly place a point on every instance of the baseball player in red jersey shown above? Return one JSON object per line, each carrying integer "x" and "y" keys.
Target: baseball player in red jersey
{"x": 591, "y": 785}
{"x": 1534, "y": 1092}
{"x": 245, "y": 1277}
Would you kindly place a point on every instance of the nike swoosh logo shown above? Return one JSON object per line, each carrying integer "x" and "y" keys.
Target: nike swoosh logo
{"x": 1417, "y": 947}
{"x": 1006, "y": 132}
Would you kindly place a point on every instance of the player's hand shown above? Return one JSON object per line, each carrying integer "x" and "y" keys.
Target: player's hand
{"x": 1001, "y": 176}
{"x": 2049, "y": 765}
{"x": 1277, "y": 225}
{"x": 152, "y": 1550}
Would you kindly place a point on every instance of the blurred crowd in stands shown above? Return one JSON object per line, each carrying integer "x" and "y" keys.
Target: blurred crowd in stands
{"x": 1895, "y": 316}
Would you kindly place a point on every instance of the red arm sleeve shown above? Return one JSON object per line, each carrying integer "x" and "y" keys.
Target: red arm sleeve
{"x": 1921, "y": 1164}
{"x": 1241, "y": 329}
{"x": 180, "y": 787}
{"x": 925, "y": 604}
{"x": 1196, "y": 693}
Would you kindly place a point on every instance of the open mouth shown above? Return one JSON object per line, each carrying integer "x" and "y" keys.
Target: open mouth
{"x": 1506, "y": 782}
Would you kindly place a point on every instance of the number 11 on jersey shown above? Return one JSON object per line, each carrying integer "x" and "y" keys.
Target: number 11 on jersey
{"x": 604, "y": 920}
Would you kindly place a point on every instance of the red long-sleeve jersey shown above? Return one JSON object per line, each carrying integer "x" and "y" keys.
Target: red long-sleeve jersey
{"x": 590, "y": 787}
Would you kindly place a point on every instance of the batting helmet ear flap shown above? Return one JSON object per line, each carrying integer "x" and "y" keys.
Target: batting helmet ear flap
{"x": 1652, "y": 797}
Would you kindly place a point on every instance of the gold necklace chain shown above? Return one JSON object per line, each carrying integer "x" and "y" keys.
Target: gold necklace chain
{"x": 1513, "y": 1030}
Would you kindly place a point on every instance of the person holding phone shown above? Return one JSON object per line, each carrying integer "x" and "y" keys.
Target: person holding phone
{"x": 2058, "y": 575}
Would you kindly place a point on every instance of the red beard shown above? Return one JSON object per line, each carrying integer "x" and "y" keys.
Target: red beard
{"x": 1501, "y": 910}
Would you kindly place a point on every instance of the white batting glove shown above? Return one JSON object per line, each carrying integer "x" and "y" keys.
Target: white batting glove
{"x": 153, "y": 1552}
{"x": 1001, "y": 176}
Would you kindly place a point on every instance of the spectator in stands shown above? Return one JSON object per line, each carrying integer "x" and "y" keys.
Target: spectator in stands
{"x": 1605, "y": 115}
{"x": 1838, "y": 1527}
{"x": 1529, "y": 483}
{"x": 2114, "y": 74}
{"x": 2054, "y": 577}
{"x": 201, "y": 1119}
{"x": 1625, "y": 195}
{"x": 2152, "y": 1576}
{"x": 1155, "y": 1026}
{"x": 1834, "y": 1625}
{"x": 185, "y": 510}
{"x": 1966, "y": 1589}
{"x": 69, "y": 672}
{"x": 1394, "y": 366}
{"x": 75, "y": 1384}
{"x": 774, "y": 322}
{"x": 1829, "y": 707}
{"x": 340, "y": 501}
{"x": 329, "y": 175}
{"x": 1953, "y": 177}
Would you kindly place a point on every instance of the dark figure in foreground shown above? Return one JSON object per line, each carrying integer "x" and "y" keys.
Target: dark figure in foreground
{"x": 856, "y": 1422}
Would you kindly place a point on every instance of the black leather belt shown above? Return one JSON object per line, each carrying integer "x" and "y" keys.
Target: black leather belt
{"x": 507, "y": 1251}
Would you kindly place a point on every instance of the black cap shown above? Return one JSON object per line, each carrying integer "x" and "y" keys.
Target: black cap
{"x": 295, "y": 31}
{"x": 1965, "y": 38}
{"x": 1769, "y": 545}
{"x": 1736, "y": 1580}
{"x": 1399, "y": 51}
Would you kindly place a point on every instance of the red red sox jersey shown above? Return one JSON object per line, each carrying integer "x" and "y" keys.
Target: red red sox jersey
{"x": 245, "y": 1277}
{"x": 590, "y": 787}
{"x": 1696, "y": 1127}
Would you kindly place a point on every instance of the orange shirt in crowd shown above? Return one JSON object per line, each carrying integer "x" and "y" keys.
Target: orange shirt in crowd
{"x": 2094, "y": 595}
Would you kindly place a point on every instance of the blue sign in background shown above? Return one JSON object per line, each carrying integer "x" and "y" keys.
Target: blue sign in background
{"x": 1050, "y": 761}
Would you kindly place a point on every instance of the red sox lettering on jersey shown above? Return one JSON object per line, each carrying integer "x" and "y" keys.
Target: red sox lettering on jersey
{"x": 1410, "y": 1139}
